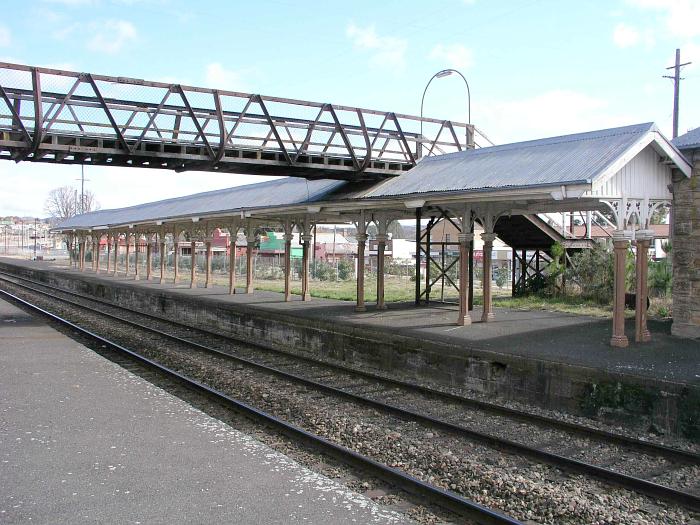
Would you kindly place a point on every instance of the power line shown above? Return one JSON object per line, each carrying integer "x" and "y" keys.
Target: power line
{"x": 676, "y": 88}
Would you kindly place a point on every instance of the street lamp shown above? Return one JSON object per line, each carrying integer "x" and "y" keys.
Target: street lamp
{"x": 441, "y": 74}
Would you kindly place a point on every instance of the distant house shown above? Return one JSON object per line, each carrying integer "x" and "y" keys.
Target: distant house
{"x": 272, "y": 246}
{"x": 333, "y": 247}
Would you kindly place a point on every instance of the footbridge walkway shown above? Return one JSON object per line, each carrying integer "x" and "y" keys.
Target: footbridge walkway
{"x": 57, "y": 116}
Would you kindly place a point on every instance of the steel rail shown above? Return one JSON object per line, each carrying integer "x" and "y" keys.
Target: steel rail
{"x": 442, "y": 497}
{"x": 671, "y": 453}
{"x": 623, "y": 480}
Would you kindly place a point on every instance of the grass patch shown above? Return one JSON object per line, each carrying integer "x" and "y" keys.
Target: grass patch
{"x": 401, "y": 289}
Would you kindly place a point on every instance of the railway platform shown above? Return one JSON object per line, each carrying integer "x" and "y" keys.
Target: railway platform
{"x": 84, "y": 440}
{"x": 555, "y": 360}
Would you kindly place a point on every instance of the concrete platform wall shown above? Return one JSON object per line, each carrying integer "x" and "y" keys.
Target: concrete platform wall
{"x": 560, "y": 386}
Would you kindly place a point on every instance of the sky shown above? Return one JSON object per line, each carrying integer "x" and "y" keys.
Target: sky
{"x": 536, "y": 68}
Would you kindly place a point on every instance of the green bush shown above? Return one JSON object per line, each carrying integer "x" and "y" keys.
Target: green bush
{"x": 555, "y": 270}
{"x": 593, "y": 271}
{"x": 269, "y": 272}
{"x": 660, "y": 277}
{"x": 502, "y": 276}
{"x": 323, "y": 271}
{"x": 346, "y": 270}
{"x": 218, "y": 263}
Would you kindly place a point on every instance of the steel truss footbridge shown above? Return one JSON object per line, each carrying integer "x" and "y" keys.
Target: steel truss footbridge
{"x": 56, "y": 116}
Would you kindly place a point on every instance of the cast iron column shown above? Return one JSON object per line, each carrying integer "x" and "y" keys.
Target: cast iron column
{"x": 464, "y": 240}
{"x": 149, "y": 258}
{"x": 128, "y": 250}
{"x": 644, "y": 238}
{"x": 81, "y": 254}
{"x": 621, "y": 243}
{"x": 137, "y": 243}
{"x": 163, "y": 254}
{"x": 193, "y": 266}
{"x": 207, "y": 275}
{"x": 109, "y": 253}
{"x": 487, "y": 314}
{"x": 176, "y": 260}
{"x": 381, "y": 246}
{"x": 361, "y": 240}
{"x": 116, "y": 254}
{"x": 305, "y": 291}
{"x": 287, "y": 266}
{"x": 249, "y": 276}
{"x": 232, "y": 262}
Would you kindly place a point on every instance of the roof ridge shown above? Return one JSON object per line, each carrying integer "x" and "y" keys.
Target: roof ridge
{"x": 557, "y": 139}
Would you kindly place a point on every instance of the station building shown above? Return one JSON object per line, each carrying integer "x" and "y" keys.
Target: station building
{"x": 626, "y": 172}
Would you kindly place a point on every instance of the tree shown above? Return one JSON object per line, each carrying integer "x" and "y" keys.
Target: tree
{"x": 64, "y": 202}
{"x": 396, "y": 230}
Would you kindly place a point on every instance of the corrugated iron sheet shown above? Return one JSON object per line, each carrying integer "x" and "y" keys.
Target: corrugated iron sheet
{"x": 282, "y": 192}
{"x": 558, "y": 160}
{"x": 689, "y": 140}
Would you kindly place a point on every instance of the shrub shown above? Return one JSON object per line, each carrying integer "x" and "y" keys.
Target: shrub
{"x": 502, "y": 275}
{"x": 660, "y": 277}
{"x": 346, "y": 270}
{"x": 218, "y": 263}
{"x": 593, "y": 270}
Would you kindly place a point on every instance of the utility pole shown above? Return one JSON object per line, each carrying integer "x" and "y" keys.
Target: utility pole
{"x": 82, "y": 179}
{"x": 676, "y": 88}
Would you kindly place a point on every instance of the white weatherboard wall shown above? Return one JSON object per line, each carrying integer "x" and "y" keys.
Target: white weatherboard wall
{"x": 645, "y": 176}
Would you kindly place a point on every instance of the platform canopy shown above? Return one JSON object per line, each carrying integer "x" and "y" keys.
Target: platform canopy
{"x": 626, "y": 170}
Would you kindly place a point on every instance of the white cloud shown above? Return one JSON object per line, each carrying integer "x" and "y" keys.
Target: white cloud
{"x": 681, "y": 16}
{"x": 625, "y": 35}
{"x": 5, "y": 37}
{"x": 111, "y": 36}
{"x": 218, "y": 77}
{"x": 551, "y": 113}
{"x": 64, "y": 31}
{"x": 387, "y": 51}
{"x": 453, "y": 55}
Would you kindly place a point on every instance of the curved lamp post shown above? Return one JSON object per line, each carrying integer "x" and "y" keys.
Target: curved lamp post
{"x": 441, "y": 74}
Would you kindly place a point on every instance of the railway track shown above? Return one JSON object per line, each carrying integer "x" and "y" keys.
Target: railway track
{"x": 476, "y": 513}
{"x": 435, "y": 410}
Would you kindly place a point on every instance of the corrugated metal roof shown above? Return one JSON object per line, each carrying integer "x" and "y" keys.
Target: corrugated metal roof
{"x": 283, "y": 192}
{"x": 558, "y": 160}
{"x": 567, "y": 159}
{"x": 689, "y": 140}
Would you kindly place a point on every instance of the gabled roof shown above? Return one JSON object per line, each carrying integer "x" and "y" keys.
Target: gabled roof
{"x": 579, "y": 159}
{"x": 281, "y": 192}
{"x": 568, "y": 159}
{"x": 689, "y": 140}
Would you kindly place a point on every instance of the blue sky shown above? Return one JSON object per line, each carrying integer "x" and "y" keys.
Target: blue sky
{"x": 535, "y": 68}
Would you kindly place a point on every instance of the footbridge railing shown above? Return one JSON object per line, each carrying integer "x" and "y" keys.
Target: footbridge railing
{"x": 50, "y": 115}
